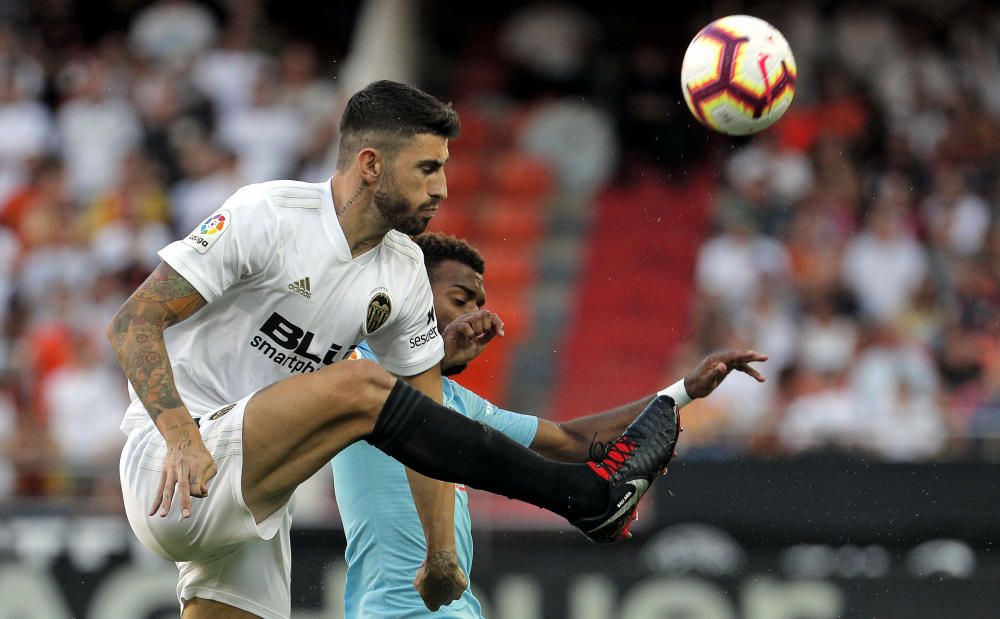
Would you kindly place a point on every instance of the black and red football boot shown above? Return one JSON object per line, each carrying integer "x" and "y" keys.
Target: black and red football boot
{"x": 630, "y": 465}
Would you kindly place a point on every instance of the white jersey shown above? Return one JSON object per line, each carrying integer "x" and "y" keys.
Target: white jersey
{"x": 285, "y": 297}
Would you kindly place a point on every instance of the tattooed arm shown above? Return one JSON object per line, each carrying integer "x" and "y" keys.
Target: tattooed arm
{"x": 136, "y": 334}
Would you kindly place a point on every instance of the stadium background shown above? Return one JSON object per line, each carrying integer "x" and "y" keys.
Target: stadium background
{"x": 857, "y": 242}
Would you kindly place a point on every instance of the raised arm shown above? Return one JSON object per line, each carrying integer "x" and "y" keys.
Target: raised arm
{"x": 136, "y": 334}
{"x": 571, "y": 441}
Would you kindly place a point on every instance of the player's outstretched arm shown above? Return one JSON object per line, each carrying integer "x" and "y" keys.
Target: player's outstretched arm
{"x": 440, "y": 580}
{"x": 571, "y": 441}
{"x": 136, "y": 334}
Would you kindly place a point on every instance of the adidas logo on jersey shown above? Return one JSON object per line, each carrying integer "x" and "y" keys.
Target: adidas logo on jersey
{"x": 301, "y": 287}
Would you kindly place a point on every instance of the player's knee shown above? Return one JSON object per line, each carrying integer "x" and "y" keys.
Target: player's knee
{"x": 377, "y": 384}
{"x": 369, "y": 386}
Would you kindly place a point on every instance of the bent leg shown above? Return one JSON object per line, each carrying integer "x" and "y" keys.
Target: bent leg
{"x": 442, "y": 444}
{"x": 294, "y": 428}
{"x": 251, "y": 579}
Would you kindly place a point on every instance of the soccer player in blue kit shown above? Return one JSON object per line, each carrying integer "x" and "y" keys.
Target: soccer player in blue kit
{"x": 385, "y": 542}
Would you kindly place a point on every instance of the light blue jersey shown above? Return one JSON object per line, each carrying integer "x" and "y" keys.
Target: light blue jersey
{"x": 385, "y": 542}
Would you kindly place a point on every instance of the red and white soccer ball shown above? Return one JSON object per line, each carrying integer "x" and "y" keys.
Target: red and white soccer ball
{"x": 738, "y": 75}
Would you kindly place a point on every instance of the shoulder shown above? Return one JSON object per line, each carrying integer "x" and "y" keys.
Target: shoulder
{"x": 400, "y": 246}
{"x": 285, "y": 194}
{"x": 262, "y": 206}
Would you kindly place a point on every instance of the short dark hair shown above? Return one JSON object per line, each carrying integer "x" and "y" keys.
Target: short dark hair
{"x": 438, "y": 247}
{"x": 384, "y": 113}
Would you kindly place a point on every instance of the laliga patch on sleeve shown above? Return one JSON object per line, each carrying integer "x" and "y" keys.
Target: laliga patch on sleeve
{"x": 205, "y": 235}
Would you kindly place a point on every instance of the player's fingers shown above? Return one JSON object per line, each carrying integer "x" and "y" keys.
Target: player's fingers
{"x": 421, "y": 585}
{"x": 159, "y": 493}
{"x": 210, "y": 473}
{"x": 427, "y": 599}
{"x": 430, "y": 599}
{"x": 746, "y": 369}
{"x": 748, "y": 356}
{"x": 467, "y": 319}
{"x": 483, "y": 322}
{"x": 492, "y": 323}
{"x": 167, "y": 494}
{"x": 468, "y": 331}
{"x": 197, "y": 485}
{"x": 497, "y": 324}
{"x": 459, "y": 332}
{"x": 492, "y": 329}
{"x": 737, "y": 356}
{"x": 184, "y": 493}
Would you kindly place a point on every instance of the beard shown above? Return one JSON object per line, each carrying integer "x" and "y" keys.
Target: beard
{"x": 399, "y": 213}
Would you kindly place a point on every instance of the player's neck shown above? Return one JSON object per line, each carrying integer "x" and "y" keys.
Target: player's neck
{"x": 362, "y": 226}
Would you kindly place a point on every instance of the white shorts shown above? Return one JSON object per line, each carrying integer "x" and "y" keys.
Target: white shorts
{"x": 221, "y": 552}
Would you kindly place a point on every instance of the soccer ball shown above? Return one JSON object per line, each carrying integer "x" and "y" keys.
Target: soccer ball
{"x": 738, "y": 75}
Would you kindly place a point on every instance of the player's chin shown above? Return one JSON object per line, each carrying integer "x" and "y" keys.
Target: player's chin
{"x": 414, "y": 226}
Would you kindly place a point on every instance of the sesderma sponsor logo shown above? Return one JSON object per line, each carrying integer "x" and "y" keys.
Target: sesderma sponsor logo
{"x": 419, "y": 340}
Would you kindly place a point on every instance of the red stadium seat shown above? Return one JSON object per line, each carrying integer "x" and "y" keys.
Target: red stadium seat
{"x": 517, "y": 174}
{"x": 509, "y": 264}
{"x": 489, "y": 374}
{"x": 455, "y": 217}
{"x": 475, "y": 134}
{"x": 634, "y": 292}
{"x": 513, "y": 306}
{"x": 465, "y": 176}
{"x": 512, "y": 219}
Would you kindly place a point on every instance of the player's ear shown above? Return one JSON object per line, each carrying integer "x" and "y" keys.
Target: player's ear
{"x": 370, "y": 164}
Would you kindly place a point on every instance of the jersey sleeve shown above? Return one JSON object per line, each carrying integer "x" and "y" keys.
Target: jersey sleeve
{"x": 411, "y": 344}
{"x": 363, "y": 351}
{"x": 516, "y": 426}
{"x": 233, "y": 243}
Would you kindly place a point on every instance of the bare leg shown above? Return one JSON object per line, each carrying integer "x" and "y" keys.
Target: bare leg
{"x": 198, "y": 608}
{"x": 293, "y": 428}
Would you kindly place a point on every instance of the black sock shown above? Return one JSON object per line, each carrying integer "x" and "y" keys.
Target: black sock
{"x": 440, "y": 443}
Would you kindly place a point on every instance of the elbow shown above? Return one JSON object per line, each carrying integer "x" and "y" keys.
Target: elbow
{"x": 117, "y": 327}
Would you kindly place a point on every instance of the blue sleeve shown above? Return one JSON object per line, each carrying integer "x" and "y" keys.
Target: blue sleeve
{"x": 365, "y": 352}
{"x": 520, "y": 428}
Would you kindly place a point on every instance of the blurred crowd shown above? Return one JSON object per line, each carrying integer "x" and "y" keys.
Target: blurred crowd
{"x": 857, "y": 242}
{"x": 110, "y": 149}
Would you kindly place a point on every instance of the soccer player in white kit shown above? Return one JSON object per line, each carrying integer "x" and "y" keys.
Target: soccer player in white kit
{"x": 240, "y": 400}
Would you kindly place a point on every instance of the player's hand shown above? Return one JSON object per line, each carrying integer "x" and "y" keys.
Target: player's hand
{"x": 188, "y": 468}
{"x": 468, "y": 335}
{"x": 710, "y": 373}
{"x": 440, "y": 581}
